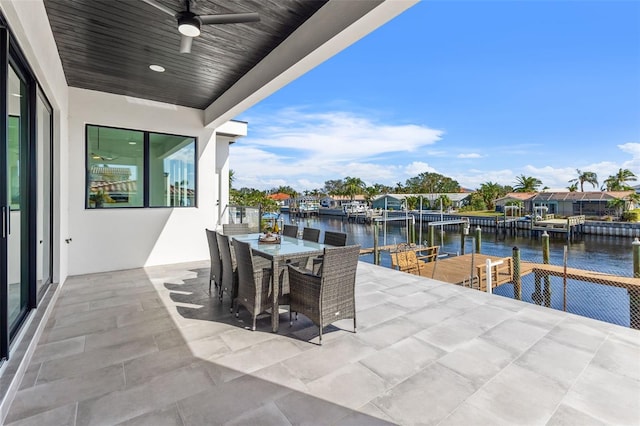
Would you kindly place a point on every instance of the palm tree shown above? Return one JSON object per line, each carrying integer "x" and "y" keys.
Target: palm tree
{"x": 589, "y": 177}
{"x": 618, "y": 181}
{"x": 353, "y": 186}
{"x": 573, "y": 187}
{"x": 526, "y": 184}
{"x": 618, "y": 204}
{"x": 370, "y": 193}
{"x": 490, "y": 191}
{"x": 232, "y": 177}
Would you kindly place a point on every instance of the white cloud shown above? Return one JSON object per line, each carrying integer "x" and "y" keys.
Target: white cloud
{"x": 301, "y": 149}
{"x": 474, "y": 178}
{"x": 633, "y": 163}
{"x": 341, "y": 134}
{"x": 631, "y": 148}
{"x": 417, "y": 167}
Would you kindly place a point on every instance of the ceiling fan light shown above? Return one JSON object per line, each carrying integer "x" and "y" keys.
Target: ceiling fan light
{"x": 189, "y": 25}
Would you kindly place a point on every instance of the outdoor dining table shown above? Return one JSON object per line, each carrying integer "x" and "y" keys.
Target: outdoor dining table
{"x": 289, "y": 248}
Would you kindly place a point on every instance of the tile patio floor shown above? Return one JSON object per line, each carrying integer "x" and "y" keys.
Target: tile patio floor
{"x": 151, "y": 347}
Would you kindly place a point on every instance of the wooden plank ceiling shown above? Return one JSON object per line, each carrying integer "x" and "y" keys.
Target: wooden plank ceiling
{"x": 108, "y": 45}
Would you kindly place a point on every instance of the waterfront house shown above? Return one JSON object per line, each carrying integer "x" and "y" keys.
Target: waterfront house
{"x": 282, "y": 199}
{"x": 592, "y": 203}
{"x": 513, "y": 198}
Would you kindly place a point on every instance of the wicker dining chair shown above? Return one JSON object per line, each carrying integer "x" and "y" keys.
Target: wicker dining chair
{"x": 215, "y": 274}
{"x": 290, "y": 231}
{"x": 330, "y": 295}
{"x": 311, "y": 234}
{"x": 254, "y": 281}
{"x": 336, "y": 239}
{"x": 229, "y": 281}
{"x": 235, "y": 228}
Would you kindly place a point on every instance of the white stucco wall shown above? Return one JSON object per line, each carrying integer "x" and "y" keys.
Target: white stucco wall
{"x": 29, "y": 24}
{"x": 103, "y": 240}
{"x": 110, "y": 239}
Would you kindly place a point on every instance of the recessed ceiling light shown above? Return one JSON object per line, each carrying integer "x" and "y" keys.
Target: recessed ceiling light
{"x": 156, "y": 68}
{"x": 132, "y": 143}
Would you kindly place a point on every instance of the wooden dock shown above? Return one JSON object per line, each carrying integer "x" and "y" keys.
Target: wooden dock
{"x": 567, "y": 226}
{"x": 389, "y": 247}
{"x": 459, "y": 270}
{"x": 542, "y": 270}
{"x": 469, "y": 270}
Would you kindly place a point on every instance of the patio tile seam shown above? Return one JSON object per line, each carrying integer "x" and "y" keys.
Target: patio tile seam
{"x": 35, "y": 383}
{"x": 491, "y": 379}
{"x": 488, "y": 382}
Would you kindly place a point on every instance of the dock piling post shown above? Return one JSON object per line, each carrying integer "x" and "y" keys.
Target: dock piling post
{"x": 635, "y": 245}
{"x": 431, "y": 236}
{"x": 478, "y": 239}
{"x": 547, "y": 278}
{"x": 376, "y": 252}
{"x": 517, "y": 279}
{"x": 537, "y": 292}
{"x": 634, "y": 295}
{"x": 462, "y": 239}
{"x": 412, "y": 233}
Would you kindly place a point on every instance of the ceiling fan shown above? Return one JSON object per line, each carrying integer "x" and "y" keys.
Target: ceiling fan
{"x": 189, "y": 23}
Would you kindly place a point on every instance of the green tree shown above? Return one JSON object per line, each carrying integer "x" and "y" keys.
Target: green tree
{"x": 431, "y": 183}
{"x": 618, "y": 204}
{"x": 490, "y": 191}
{"x": 333, "y": 187}
{"x": 252, "y": 198}
{"x": 444, "y": 201}
{"x": 588, "y": 177}
{"x": 412, "y": 202}
{"x": 476, "y": 203}
{"x": 526, "y": 184}
{"x": 232, "y": 177}
{"x": 573, "y": 187}
{"x": 618, "y": 181}
{"x": 284, "y": 190}
{"x": 353, "y": 186}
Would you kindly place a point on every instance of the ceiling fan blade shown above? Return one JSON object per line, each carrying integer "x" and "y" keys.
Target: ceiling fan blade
{"x": 229, "y": 18}
{"x": 160, "y": 7}
{"x": 185, "y": 44}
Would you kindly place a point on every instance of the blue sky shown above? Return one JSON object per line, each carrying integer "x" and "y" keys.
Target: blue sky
{"x": 478, "y": 91}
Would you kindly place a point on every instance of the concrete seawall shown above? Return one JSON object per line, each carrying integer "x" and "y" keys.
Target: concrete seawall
{"x": 591, "y": 227}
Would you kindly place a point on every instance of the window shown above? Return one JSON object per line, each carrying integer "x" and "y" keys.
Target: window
{"x": 171, "y": 170}
{"x": 132, "y": 168}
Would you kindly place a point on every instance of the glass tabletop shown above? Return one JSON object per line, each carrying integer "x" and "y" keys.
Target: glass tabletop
{"x": 288, "y": 246}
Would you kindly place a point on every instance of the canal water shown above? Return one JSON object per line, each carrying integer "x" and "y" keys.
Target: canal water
{"x": 610, "y": 255}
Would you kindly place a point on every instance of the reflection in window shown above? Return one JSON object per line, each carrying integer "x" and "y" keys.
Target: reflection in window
{"x": 13, "y": 137}
{"x": 116, "y": 167}
{"x": 117, "y": 177}
{"x": 172, "y": 170}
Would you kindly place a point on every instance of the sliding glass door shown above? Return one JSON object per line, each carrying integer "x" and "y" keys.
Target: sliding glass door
{"x": 25, "y": 192}
{"x": 18, "y": 202}
{"x": 44, "y": 235}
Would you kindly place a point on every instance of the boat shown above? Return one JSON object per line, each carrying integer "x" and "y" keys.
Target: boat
{"x": 354, "y": 207}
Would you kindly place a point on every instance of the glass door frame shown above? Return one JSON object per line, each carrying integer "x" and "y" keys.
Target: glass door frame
{"x": 36, "y": 295}
{"x": 12, "y": 56}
